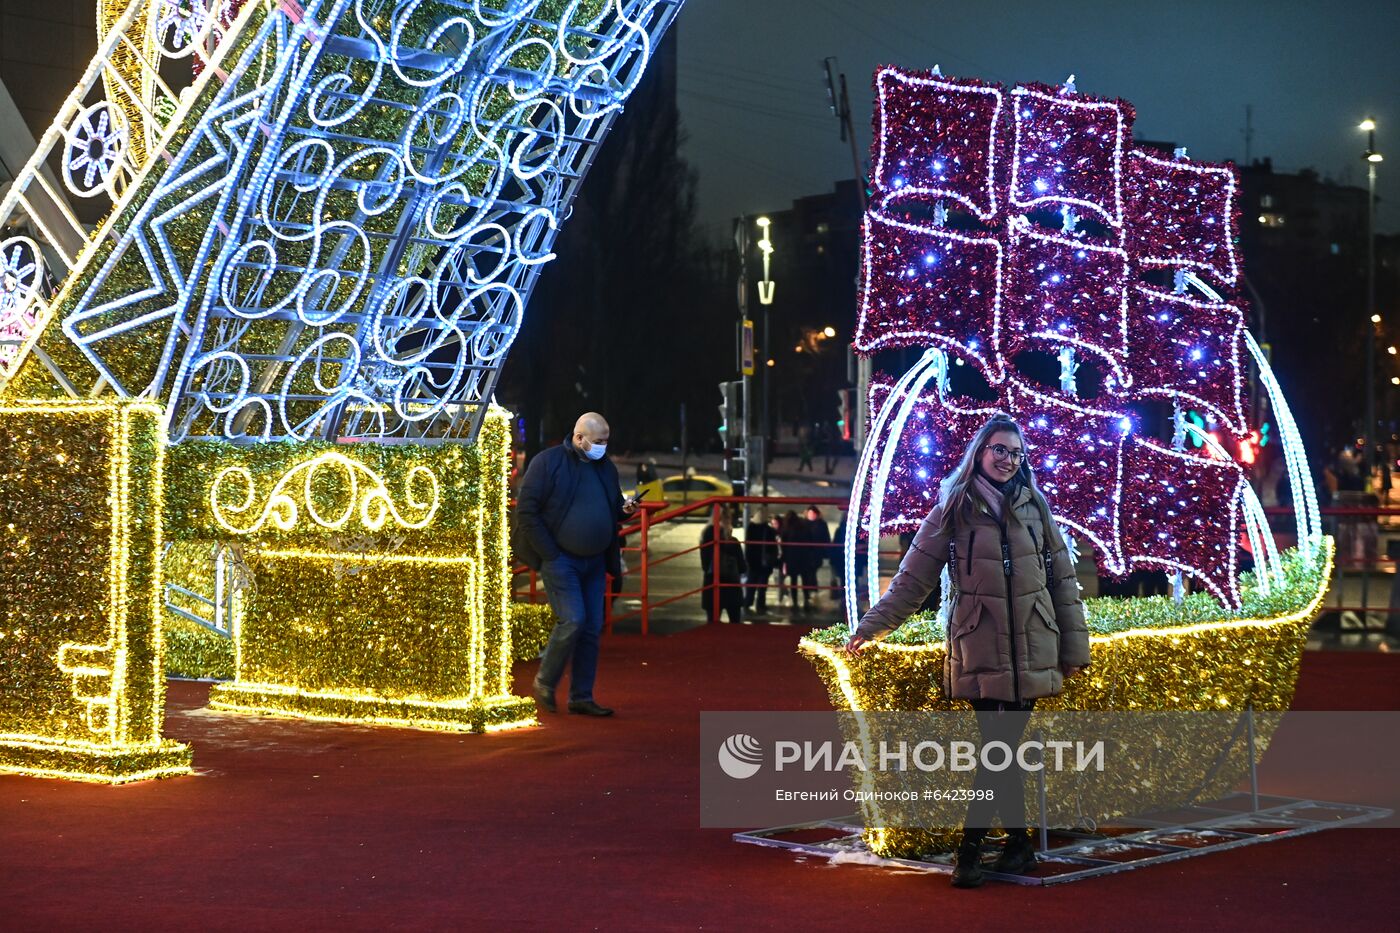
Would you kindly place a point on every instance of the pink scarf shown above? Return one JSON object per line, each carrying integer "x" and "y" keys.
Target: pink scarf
{"x": 991, "y": 493}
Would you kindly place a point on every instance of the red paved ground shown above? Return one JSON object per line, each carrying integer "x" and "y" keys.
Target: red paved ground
{"x": 585, "y": 824}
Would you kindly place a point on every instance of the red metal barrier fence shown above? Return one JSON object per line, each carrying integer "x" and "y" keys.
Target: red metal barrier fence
{"x": 1365, "y": 567}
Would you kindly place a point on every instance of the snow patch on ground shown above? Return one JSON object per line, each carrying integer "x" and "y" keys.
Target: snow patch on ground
{"x": 864, "y": 857}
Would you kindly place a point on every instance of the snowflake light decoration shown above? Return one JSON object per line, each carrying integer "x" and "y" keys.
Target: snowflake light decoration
{"x": 21, "y": 274}
{"x": 179, "y": 23}
{"x": 96, "y": 143}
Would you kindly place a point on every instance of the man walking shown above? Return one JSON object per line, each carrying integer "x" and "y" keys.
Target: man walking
{"x": 567, "y": 512}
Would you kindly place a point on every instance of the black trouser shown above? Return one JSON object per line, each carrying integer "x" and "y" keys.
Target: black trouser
{"x": 999, "y": 721}
{"x": 731, "y": 600}
{"x": 788, "y": 579}
{"x": 757, "y": 592}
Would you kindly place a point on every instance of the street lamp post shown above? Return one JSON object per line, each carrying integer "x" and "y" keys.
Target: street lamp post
{"x": 841, "y": 109}
{"x": 1373, "y": 158}
{"x": 765, "y": 299}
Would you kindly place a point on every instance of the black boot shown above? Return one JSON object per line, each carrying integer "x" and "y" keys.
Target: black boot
{"x": 1018, "y": 855}
{"x": 967, "y": 867}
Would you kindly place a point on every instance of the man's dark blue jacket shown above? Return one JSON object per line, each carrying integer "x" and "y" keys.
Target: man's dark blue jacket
{"x": 550, "y": 484}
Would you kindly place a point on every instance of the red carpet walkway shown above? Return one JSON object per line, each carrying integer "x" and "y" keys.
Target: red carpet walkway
{"x": 585, "y": 824}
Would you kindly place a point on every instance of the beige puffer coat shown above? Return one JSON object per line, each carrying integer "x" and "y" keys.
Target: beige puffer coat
{"x": 1024, "y": 623}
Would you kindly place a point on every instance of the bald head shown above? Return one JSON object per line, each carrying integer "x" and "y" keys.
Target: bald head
{"x": 591, "y": 430}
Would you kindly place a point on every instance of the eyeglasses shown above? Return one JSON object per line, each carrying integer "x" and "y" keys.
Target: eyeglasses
{"x": 1002, "y": 452}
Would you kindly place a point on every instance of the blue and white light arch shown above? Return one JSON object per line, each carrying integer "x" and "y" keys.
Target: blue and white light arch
{"x": 373, "y": 187}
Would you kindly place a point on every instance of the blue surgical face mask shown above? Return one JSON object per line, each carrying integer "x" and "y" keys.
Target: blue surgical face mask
{"x": 596, "y": 451}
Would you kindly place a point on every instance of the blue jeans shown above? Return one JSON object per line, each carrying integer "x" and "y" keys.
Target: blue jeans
{"x": 575, "y": 586}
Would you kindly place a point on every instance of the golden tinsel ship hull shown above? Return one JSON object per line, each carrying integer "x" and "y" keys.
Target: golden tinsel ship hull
{"x": 1223, "y": 667}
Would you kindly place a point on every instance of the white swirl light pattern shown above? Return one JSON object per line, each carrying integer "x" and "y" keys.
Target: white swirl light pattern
{"x": 362, "y": 494}
{"x": 360, "y": 275}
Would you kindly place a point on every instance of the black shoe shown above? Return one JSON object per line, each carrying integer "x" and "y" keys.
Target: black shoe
{"x": 1017, "y": 856}
{"x": 544, "y": 698}
{"x": 967, "y": 867}
{"x": 588, "y": 708}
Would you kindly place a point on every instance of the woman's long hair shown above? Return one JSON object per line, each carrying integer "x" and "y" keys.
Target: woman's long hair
{"x": 955, "y": 492}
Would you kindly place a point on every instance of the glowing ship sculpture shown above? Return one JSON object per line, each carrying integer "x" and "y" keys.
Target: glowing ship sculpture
{"x": 1017, "y": 232}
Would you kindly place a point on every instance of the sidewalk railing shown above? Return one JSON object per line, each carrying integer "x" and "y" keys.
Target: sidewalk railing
{"x": 1365, "y": 577}
{"x": 640, "y": 560}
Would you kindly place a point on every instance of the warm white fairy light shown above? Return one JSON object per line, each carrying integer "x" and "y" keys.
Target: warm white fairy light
{"x": 373, "y": 504}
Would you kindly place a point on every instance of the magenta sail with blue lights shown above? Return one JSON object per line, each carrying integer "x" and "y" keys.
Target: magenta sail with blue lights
{"x": 1007, "y": 225}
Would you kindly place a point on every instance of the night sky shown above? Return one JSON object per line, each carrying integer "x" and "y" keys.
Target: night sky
{"x": 753, "y": 98}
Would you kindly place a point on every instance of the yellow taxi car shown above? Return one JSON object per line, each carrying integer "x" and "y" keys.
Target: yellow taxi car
{"x": 678, "y": 490}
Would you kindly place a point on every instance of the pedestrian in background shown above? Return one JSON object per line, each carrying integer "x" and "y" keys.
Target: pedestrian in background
{"x": 567, "y": 514}
{"x": 761, "y": 554}
{"x": 804, "y": 449}
{"x": 793, "y": 534}
{"x": 730, "y": 597}
{"x": 838, "y": 560}
{"x": 780, "y": 558}
{"x": 818, "y": 549}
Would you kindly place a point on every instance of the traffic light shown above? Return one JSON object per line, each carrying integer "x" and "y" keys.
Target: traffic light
{"x": 731, "y": 429}
{"x": 1249, "y": 447}
{"x": 844, "y": 413}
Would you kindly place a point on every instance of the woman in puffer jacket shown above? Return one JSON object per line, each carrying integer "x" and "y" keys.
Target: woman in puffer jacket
{"x": 1017, "y": 627}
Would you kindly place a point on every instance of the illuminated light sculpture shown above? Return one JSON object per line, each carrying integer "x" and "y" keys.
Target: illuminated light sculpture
{"x": 329, "y": 237}
{"x": 1067, "y": 150}
{"x": 373, "y": 505}
{"x": 1079, "y": 453}
{"x": 1064, "y": 291}
{"x": 1183, "y": 215}
{"x": 1208, "y": 334}
{"x": 367, "y": 193}
{"x": 1076, "y": 288}
{"x": 1151, "y": 654}
{"x": 1103, "y": 253}
{"x": 80, "y": 640}
{"x": 914, "y": 163}
{"x": 915, "y": 263}
{"x": 381, "y": 577}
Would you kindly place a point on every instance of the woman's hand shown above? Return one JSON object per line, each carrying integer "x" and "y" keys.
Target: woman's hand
{"x": 857, "y": 644}
{"x": 1074, "y": 672}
